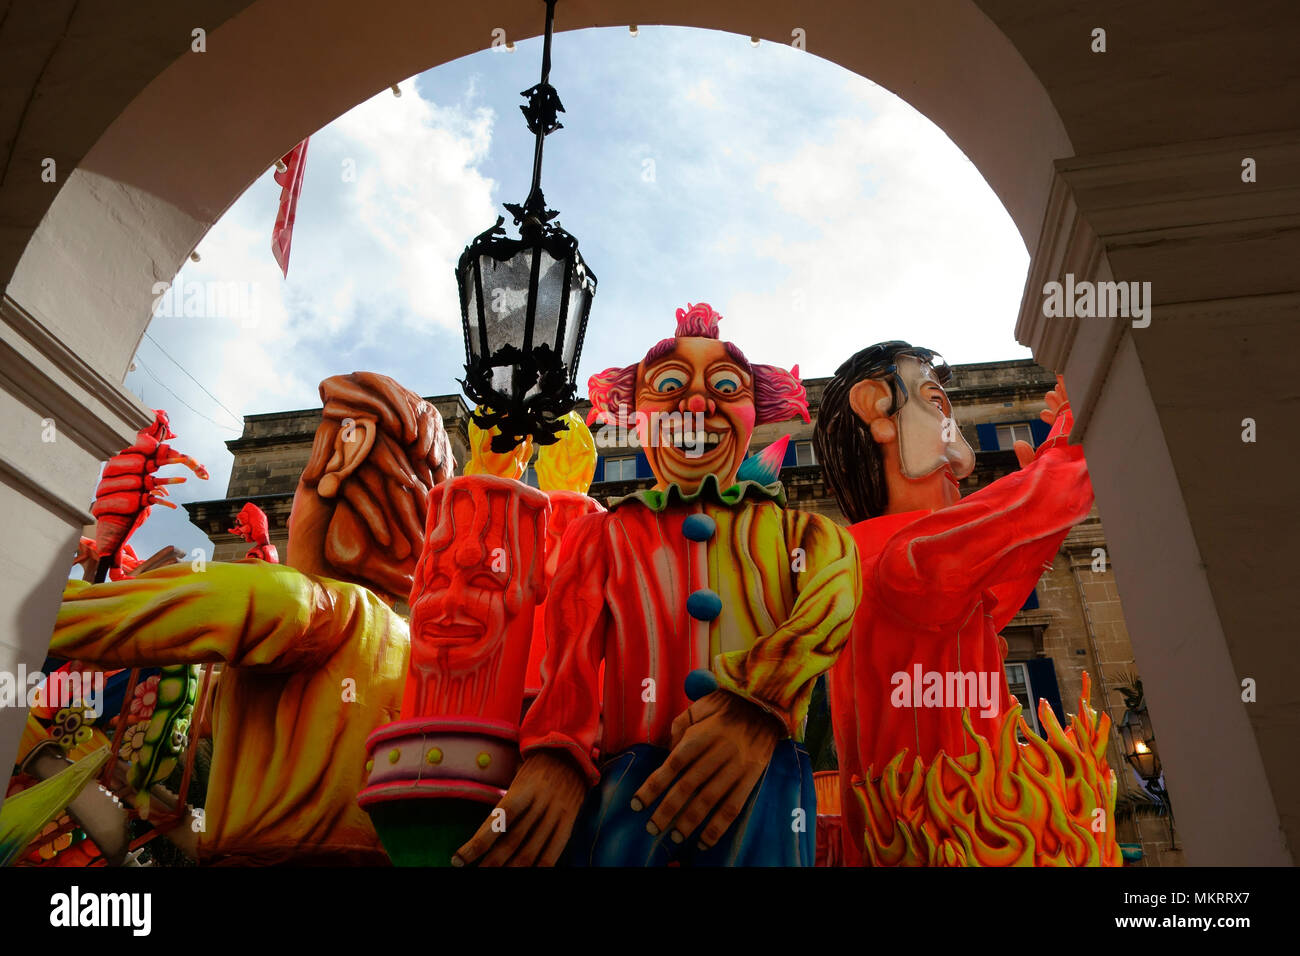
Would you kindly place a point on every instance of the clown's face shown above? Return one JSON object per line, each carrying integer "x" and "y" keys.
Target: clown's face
{"x": 696, "y": 388}
{"x": 928, "y": 436}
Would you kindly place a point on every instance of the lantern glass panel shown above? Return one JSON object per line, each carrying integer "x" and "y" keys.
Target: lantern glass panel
{"x": 505, "y": 295}
{"x": 580, "y": 293}
{"x": 1145, "y": 764}
{"x": 1144, "y": 722}
{"x": 1126, "y": 734}
{"x": 470, "y": 316}
{"x": 550, "y": 297}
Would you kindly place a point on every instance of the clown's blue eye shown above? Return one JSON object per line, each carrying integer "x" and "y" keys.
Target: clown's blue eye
{"x": 724, "y": 382}
{"x": 668, "y": 383}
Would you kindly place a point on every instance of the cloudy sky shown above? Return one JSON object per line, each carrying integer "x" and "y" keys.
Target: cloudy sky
{"x": 815, "y": 211}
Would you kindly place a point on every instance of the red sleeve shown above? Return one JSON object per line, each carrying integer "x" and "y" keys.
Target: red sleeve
{"x": 566, "y": 714}
{"x": 997, "y": 539}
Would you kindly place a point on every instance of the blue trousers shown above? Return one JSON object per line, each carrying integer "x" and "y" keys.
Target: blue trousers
{"x": 768, "y": 832}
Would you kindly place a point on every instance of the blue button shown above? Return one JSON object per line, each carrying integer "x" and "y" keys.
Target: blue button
{"x": 699, "y": 527}
{"x": 699, "y": 683}
{"x": 704, "y": 605}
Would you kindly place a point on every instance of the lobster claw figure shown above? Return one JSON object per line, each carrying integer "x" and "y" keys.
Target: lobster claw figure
{"x": 128, "y": 489}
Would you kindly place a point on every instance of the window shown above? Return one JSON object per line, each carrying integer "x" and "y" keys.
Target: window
{"x": 803, "y": 453}
{"x": 620, "y": 469}
{"x": 530, "y": 476}
{"x": 1008, "y": 435}
{"x": 1020, "y": 688}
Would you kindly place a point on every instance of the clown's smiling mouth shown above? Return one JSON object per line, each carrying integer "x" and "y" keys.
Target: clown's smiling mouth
{"x": 687, "y": 461}
{"x": 690, "y": 440}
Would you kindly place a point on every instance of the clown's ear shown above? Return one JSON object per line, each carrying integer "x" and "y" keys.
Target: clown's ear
{"x": 352, "y": 444}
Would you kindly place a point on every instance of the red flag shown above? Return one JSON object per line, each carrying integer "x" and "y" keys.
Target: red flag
{"x": 295, "y": 161}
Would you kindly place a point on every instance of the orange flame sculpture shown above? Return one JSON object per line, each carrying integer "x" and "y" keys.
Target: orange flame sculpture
{"x": 1046, "y": 802}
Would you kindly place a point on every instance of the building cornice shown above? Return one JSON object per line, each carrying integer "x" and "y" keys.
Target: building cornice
{"x": 1119, "y": 210}
{"x": 51, "y": 379}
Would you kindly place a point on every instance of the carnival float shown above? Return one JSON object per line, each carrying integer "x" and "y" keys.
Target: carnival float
{"x": 621, "y": 683}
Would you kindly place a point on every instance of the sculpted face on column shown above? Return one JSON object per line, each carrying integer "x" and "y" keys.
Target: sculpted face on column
{"x": 480, "y": 575}
{"x": 477, "y": 585}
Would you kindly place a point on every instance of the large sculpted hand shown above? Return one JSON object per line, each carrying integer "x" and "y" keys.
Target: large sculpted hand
{"x": 1056, "y": 403}
{"x": 540, "y": 807}
{"x": 720, "y": 747}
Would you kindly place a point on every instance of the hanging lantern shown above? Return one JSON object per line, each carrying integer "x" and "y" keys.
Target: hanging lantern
{"x": 1139, "y": 744}
{"x": 524, "y": 302}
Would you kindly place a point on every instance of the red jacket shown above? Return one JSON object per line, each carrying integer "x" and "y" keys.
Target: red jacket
{"x": 782, "y": 586}
{"x": 937, "y": 587}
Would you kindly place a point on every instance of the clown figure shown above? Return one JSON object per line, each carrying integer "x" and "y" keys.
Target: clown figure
{"x": 713, "y": 610}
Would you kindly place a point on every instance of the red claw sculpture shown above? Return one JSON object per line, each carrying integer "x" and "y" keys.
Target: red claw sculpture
{"x": 252, "y": 526}
{"x": 128, "y": 489}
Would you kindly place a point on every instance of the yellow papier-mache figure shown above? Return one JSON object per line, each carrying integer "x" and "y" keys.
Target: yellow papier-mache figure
{"x": 295, "y": 647}
{"x": 315, "y": 657}
{"x": 570, "y": 463}
{"x": 484, "y": 461}
{"x": 567, "y": 465}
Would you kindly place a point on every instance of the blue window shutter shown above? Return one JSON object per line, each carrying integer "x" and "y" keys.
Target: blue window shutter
{"x": 643, "y": 466}
{"x": 791, "y": 458}
{"x": 1039, "y": 429}
{"x": 988, "y": 436}
{"x": 1042, "y": 682}
{"x": 600, "y": 470}
{"x": 1031, "y": 602}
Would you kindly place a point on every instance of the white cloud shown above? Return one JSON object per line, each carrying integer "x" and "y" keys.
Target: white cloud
{"x": 418, "y": 193}
{"x": 898, "y": 237}
{"x": 702, "y": 94}
{"x": 371, "y": 261}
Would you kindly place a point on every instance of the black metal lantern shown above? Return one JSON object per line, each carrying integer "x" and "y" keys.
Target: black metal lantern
{"x": 1139, "y": 744}
{"x": 524, "y": 302}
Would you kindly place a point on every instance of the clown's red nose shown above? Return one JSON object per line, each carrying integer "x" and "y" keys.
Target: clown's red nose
{"x": 698, "y": 403}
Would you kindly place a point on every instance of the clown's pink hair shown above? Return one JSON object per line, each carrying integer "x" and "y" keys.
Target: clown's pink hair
{"x": 778, "y": 394}
{"x": 609, "y": 391}
{"x": 697, "y": 321}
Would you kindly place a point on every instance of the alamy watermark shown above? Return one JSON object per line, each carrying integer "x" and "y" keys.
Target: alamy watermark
{"x": 131, "y": 911}
{"x": 237, "y": 301}
{"x": 684, "y": 430}
{"x": 947, "y": 689}
{"x": 58, "y": 690}
{"x": 1101, "y": 300}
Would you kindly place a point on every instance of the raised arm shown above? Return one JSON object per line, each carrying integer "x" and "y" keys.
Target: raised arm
{"x": 245, "y": 614}
{"x": 996, "y": 539}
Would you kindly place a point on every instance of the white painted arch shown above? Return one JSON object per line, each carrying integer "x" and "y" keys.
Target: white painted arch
{"x": 210, "y": 124}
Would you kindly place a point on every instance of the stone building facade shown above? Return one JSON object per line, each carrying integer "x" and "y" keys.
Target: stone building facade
{"x": 1074, "y": 622}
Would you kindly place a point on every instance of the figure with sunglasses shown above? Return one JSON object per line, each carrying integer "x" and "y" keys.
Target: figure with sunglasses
{"x": 941, "y": 575}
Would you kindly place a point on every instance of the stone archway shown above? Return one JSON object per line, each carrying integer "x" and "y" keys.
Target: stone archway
{"x": 168, "y": 162}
